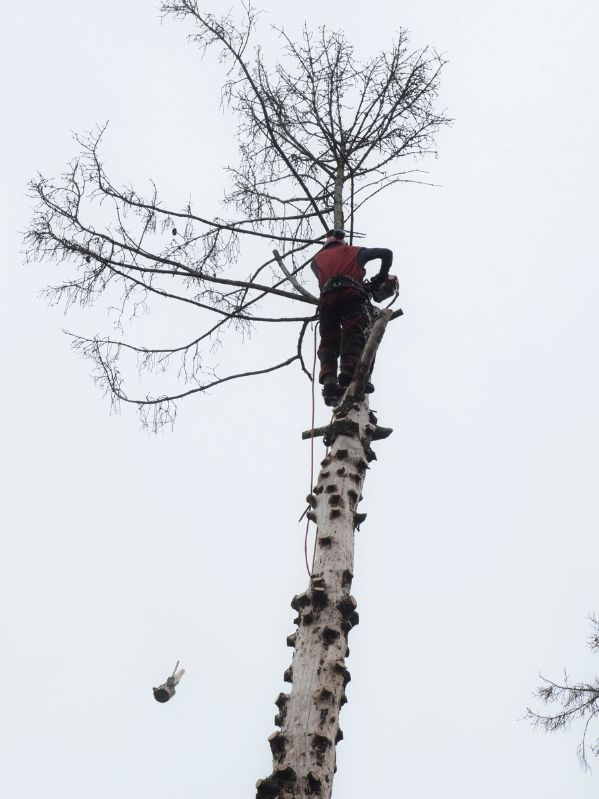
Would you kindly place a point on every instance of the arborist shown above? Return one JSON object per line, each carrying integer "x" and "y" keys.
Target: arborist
{"x": 344, "y": 308}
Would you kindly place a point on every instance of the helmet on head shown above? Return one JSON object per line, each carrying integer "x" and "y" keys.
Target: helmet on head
{"x": 333, "y": 236}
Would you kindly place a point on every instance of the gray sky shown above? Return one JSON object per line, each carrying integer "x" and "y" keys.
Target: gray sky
{"x": 123, "y": 552}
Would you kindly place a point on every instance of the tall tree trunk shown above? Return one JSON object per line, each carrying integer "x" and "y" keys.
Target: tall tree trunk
{"x": 338, "y": 218}
{"x": 304, "y": 748}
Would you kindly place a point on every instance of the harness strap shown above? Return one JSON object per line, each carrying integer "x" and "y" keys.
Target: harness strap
{"x": 342, "y": 281}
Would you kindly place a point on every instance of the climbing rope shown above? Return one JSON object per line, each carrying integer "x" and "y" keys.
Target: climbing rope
{"x": 309, "y": 570}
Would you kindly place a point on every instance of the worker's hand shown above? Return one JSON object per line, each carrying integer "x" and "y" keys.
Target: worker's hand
{"x": 376, "y": 281}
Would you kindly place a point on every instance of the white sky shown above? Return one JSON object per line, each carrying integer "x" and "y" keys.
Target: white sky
{"x": 123, "y": 552}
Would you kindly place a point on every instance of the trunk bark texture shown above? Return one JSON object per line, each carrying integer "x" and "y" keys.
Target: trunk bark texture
{"x": 304, "y": 747}
{"x": 338, "y": 219}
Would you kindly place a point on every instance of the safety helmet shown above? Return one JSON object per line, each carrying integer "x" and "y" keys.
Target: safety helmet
{"x": 336, "y": 235}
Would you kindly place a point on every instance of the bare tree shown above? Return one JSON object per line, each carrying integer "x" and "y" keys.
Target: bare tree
{"x": 577, "y": 702}
{"x": 320, "y": 134}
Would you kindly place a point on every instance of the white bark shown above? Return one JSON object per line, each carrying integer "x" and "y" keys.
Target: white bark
{"x": 292, "y": 279}
{"x": 304, "y": 748}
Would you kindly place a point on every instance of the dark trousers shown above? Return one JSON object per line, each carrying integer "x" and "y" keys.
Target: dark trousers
{"x": 344, "y": 319}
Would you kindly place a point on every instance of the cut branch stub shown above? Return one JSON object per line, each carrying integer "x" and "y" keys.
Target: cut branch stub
{"x": 300, "y": 601}
{"x": 361, "y": 465}
{"x": 313, "y": 783}
{"x": 282, "y": 700}
{"x": 359, "y": 518}
{"x": 380, "y": 433}
{"x": 330, "y": 635}
{"x": 282, "y": 778}
{"x": 324, "y": 694}
{"x": 341, "y": 668}
{"x": 277, "y": 743}
{"x": 347, "y": 605}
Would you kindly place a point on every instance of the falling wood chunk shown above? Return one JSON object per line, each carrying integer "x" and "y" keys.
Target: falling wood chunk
{"x": 166, "y": 691}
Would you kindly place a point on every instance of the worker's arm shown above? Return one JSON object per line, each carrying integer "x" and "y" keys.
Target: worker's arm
{"x": 313, "y": 267}
{"x": 371, "y": 253}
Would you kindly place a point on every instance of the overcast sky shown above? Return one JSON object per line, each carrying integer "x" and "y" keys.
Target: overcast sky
{"x": 123, "y": 552}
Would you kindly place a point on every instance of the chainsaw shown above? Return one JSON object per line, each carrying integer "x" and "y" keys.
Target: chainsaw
{"x": 381, "y": 290}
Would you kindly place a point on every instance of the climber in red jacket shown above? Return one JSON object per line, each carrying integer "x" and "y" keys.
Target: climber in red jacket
{"x": 343, "y": 308}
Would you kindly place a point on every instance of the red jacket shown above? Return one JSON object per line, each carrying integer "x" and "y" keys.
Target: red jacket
{"x": 338, "y": 259}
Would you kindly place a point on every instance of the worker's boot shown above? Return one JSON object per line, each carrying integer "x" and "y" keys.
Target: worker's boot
{"x": 345, "y": 379}
{"x": 331, "y": 392}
